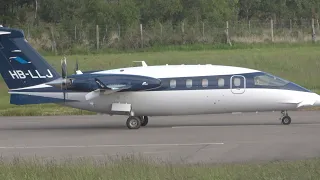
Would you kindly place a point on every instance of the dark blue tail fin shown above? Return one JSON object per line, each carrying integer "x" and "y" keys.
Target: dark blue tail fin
{"x": 20, "y": 65}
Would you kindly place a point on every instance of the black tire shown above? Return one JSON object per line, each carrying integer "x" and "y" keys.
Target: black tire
{"x": 144, "y": 120}
{"x": 133, "y": 123}
{"x": 286, "y": 120}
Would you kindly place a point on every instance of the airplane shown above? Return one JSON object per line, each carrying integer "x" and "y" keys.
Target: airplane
{"x": 145, "y": 91}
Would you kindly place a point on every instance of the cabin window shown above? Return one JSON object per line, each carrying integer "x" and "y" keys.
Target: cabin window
{"x": 220, "y": 82}
{"x": 205, "y": 83}
{"x": 173, "y": 83}
{"x": 189, "y": 83}
{"x": 236, "y": 82}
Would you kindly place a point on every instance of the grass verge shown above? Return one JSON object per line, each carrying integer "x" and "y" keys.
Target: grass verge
{"x": 137, "y": 168}
{"x": 42, "y": 110}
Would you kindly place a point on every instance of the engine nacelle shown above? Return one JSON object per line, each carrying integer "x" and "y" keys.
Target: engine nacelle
{"x": 90, "y": 82}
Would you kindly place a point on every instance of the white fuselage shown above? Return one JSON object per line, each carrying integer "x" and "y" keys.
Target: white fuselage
{"x": 192, "y": 102}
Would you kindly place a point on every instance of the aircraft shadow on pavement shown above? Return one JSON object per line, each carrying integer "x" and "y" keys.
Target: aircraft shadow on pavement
{"x": 107, "y": 126}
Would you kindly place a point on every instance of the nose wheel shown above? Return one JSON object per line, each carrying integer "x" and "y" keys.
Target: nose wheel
{"x": 285, "y": 119}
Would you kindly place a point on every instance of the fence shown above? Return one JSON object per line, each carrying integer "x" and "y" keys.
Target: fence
{"x": 86, "y": 37}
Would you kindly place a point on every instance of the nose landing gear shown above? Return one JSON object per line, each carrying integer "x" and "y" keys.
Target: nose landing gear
{"x": 285, "y": 119}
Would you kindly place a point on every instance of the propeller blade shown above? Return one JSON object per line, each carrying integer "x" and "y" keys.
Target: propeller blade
{"x": 64, "y": 68}
{"x": 64, "y": 96}
{"x": 64, "y": 75}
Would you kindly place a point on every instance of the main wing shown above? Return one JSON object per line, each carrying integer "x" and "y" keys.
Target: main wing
{"x": 104, "y": 84}
{"x": 106, "y": 89}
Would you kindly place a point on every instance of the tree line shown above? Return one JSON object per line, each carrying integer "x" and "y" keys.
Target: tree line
{"x": 83, "y": 25}
{"x": 147, "y": 12}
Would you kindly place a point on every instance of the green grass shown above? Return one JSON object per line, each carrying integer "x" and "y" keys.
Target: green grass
{"x": 300, "y": 64}
{"x": 140, "y": 169}
{"x": 42, "y": 110}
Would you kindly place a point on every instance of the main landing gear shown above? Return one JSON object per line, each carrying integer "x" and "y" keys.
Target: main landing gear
{"x": 144, "y": 120}
{"x": 285, "y": 118}
{"x": 134, "y": 122}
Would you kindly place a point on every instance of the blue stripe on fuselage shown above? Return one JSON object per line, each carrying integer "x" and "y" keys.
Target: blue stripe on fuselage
{"x": 196, "y": 84}
{"x": 213, "y": 83}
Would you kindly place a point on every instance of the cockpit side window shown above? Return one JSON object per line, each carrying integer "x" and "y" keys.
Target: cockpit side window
{"x": 269, "y": 80}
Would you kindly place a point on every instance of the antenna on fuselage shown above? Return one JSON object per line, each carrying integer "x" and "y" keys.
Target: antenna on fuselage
{"x": 143, "y": 63}
{"x": 76, "y": 68}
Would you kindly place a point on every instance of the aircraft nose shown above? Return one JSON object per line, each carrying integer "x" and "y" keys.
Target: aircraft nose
{"x": 312, "y": 99}
{"x": 317, "y": 101}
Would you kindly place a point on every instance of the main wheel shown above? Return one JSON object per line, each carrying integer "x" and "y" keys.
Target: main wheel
{"x": 133, "y": 123}
{"x": 286, "y": 120}
{"x": 144, "y": 120}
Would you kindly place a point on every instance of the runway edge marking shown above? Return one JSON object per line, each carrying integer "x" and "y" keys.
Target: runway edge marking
{"x": 106, "y": 145}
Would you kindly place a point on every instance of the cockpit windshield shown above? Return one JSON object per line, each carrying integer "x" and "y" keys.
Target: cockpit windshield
{"x": 269, "y": 80}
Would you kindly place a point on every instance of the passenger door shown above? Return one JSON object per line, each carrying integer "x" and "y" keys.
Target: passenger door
{"x": 237, "y": 84}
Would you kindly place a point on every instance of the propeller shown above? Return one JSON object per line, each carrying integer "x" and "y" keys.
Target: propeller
{"x": 64, "y": 77}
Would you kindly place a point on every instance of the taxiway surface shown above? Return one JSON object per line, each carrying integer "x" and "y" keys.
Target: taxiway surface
{"x": 192, "y": 139}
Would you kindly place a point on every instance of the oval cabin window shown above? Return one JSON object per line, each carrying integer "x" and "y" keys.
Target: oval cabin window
{"x": 221, "y": 82}
{"x": 173, "y": 83}
{"x": 189, "y": 83}
{"x": 205, "y": 83}
{"x": 237, "y": 82}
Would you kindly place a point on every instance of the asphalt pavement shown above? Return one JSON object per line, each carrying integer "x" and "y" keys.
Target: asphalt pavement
{"x": 224, "y": 138}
